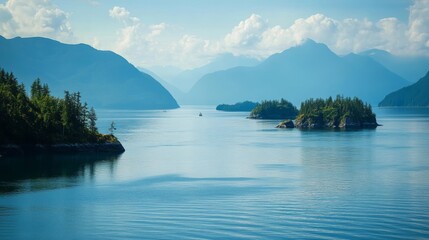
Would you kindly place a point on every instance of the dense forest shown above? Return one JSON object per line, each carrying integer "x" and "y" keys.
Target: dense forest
{"x": 274, "y": 109}
{"x": 245, "y": 106}
{"x": 343, "y": 112}
{"x": 43, "y": 119}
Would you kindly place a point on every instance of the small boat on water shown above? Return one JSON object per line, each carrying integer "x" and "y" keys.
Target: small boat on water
{"x": 200, "y": 114}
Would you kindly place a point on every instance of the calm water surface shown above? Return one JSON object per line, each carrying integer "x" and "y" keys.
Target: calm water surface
{"x": 222, "y": 176}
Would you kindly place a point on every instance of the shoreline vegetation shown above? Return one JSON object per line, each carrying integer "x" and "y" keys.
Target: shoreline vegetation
{"x": 274, "y": 109}
{"x": 339, "y": 113}
{"x": 43, "y": 123}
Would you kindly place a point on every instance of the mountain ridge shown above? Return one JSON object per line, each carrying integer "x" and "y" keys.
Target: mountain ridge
{"x": 414, "y": 95}
{"x": 105, "y": 79}
{"x": 185, "y": 80}
{"x": 309, "y": 70}
{"x": 410, "y": 68}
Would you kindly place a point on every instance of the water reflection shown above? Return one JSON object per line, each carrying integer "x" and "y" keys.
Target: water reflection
{"x": 335, "y": 162}
{"x": 49, "y": 171}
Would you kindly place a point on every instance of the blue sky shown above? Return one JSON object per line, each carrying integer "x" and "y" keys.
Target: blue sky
{"x": 190, "y": 33}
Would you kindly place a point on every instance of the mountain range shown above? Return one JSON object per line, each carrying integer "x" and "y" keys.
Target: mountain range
{"x": 309, "y": 70}
{"x": 186, "y": 79}
{"x": 105, "y": 79}
{"x": 411, "y": 68}
{"x": 415, "y": 95}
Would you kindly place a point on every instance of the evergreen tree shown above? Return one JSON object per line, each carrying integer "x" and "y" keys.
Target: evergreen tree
{"x": 92, "y": 120}
{"x": 42, "y": 118}
{"x": 112, "y": 128}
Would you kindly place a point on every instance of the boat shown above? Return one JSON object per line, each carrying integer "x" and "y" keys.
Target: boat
{"x": 200, "y": 114}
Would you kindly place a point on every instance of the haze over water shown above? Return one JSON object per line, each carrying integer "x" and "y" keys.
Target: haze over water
{"x": 224, "y": 176}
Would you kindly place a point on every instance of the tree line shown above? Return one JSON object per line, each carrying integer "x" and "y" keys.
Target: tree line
{"x": 42, "y": 118}
{"x": 335, "y": 112}
{"x": 274, "y": 109}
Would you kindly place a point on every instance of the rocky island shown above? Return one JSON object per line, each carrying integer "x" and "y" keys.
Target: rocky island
{"x": 339, "y": 113}
{"x": 245, "y": 106}
{"x": 41, "y": 123}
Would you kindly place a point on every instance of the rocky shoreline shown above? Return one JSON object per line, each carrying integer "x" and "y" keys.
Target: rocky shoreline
{"x": 347, "y": 124}
{"x": 14, "y": 149}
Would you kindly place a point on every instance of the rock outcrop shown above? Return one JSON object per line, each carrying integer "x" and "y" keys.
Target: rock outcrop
{"x": 286, "y": 124}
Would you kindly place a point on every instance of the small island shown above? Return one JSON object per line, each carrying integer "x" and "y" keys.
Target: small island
{"x": 274, "y": 109}
{"x": 341, "y": 113}
{"x": 245, "y": 106}
{"x": 41, "y": 123}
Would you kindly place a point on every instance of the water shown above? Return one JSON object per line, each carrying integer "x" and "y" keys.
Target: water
{"x": 222, "y": 176}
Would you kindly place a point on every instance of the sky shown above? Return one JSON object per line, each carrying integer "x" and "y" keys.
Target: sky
{"x": 190, "y": 33}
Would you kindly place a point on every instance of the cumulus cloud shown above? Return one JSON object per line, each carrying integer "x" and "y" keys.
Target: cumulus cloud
{"x": 34, "y": 18}
{"x": 247, "y": 33}
{"x": 418, "y": 28}
{"x": 119, "y": 13}
{"x": 254, "y": 37}
{"x": 146, "y": 45}
{"x": 129, "y": 35}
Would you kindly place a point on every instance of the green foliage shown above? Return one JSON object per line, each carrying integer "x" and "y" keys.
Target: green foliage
{"x": 42, "y": 118}
{"x": 274, "y": 109}
{"x": 320, "y": 113}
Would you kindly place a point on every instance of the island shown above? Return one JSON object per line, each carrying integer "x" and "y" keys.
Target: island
{"x": 245, "y": 106}
{"x": 274, "y": 109}
{"x": 42, "y": 123}
{"x": 338, "y": 113}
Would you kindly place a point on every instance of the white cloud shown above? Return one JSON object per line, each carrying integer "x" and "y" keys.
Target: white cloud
{"x": 147, "y": 46}
{"x": 418, "y": 25}
{"x": 246, "y": 33}
{"x": 34, "y": 18}
{"x": 254, "y": 37}
{"x": 156, "y": 30}
{"x": 119, "y": 13}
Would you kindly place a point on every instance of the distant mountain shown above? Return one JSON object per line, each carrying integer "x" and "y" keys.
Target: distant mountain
{"x": 310, "y": 70}
{"x": 186, "y": 79}
{"x": 105, "y": 79}
{"x": 409, "y": 67}
{"x": 415, "y": 95}
{"x": 165, "y": 72}
{"x": 177, "y": 93}
{"x": 245, "y": 106}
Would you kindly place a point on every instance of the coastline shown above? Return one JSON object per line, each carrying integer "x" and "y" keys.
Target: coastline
{"x": 16, "y": 150}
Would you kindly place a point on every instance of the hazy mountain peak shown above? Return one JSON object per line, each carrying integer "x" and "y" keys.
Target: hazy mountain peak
{"x": 304, "y": 71}
{"x": 186, "y": 79}
{"x": 308, "y": 51}
{"x": 410, "y": 68}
